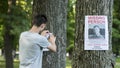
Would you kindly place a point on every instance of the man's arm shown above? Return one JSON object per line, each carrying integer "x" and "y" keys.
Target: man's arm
{"x": 53, "y": 45}
{"x": 52, "y": 39}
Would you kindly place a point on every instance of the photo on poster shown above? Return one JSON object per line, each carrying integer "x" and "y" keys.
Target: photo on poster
{"x": 96, "y": 31}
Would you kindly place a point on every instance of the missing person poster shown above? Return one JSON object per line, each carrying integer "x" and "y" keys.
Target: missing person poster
{"x": 96, "y": 33}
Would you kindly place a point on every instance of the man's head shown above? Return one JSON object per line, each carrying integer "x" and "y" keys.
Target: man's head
{"x": 96, "y": 30}
{"x": 39, "y": 21}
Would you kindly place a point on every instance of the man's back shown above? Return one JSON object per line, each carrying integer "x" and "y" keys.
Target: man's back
{"x": 30, "y": 49}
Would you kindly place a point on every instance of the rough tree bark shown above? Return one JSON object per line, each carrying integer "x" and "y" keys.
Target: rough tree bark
{"x": 56, "y": 12}
{"x": 85, "y": 58}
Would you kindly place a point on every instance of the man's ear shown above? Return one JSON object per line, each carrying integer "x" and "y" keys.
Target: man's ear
{"x": 42, "y": 25}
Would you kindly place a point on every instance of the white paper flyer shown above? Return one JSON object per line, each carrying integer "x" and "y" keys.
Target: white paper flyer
{"x": 96, "y": 33}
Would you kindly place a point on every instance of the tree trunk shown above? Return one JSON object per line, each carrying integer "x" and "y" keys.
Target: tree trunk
{"x": 8, "y": 37}
{"x": 56, "y": 12}
{"x": 85, "y": 58}
{"x": 8, "y": 47}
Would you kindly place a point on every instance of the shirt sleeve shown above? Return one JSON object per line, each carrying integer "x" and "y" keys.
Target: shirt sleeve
{"x": 43, "y": 42}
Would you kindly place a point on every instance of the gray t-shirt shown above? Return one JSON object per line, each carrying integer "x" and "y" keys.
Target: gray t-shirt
{"x": 30, "y": 52}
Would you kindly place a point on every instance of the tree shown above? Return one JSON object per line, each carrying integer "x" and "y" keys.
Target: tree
{"x": 3, "y": 12}
{"x": 13, "y": 20}
{"x": 8, "y": 37}
{"x": 56, "y": 12}
{"x": 85, "y": 58}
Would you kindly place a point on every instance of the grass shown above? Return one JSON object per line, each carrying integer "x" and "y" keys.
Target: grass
{"x": 117, "y": 63}
{"x": 68, "y": 63}
{"x": 2, "y": 63}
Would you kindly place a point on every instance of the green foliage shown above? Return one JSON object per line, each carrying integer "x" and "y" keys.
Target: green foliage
{"x": 1, "y": 38}
{"x": 19, "y": 19}
{"x": 3, "y": 9}
{"x": 70, "y": 48}
{"x": 116, "y": 36}
{"x": 70, "y": 25}
{"x": 116, "y": 28}
{"x": 116, "y": 9}
{"x": 20, "y": 23}
{"x": 3, "y": 12}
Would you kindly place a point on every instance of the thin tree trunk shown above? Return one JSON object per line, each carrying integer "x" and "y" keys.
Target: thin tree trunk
{"x": 8, "y": 37}
{"x": 92, "y": 59}
{"x": 8, "y": 47}
{"x": 56, "y": 12}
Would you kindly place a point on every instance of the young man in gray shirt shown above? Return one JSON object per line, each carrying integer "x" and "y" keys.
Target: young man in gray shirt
{"x": 31, "y": 42}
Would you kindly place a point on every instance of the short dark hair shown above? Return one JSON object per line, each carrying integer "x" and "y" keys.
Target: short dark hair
{"x": 96, "y": 26}
{"x": 39, "y": 19}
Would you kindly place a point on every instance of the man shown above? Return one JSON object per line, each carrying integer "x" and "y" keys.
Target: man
{"x": 31, "y": 43}
{"x": 97, "y": 34}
